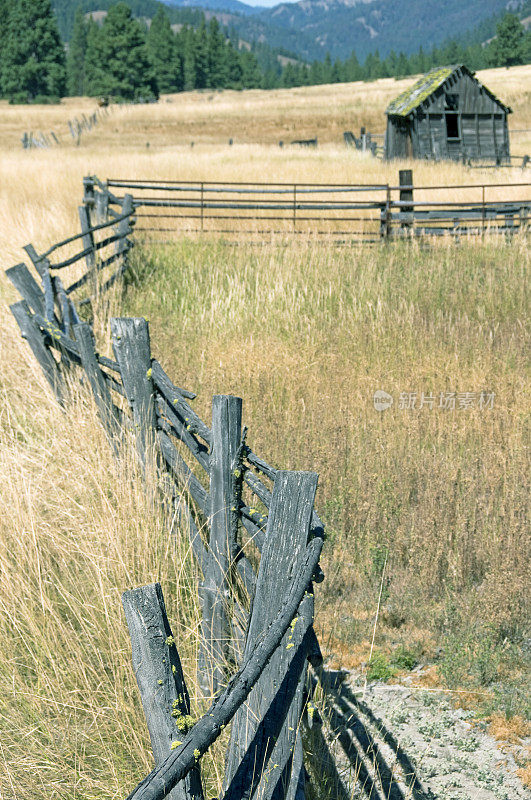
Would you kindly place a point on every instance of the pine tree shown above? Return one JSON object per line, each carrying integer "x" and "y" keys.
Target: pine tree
{"x": 33, "y": 63}
{"x": 508, "y": 46}
{"x": 75, "y": 62}
{"x": 186, "y": 49}
{"x": 251, "y": 76}
{"x": 4, "y": 16}
{"x": 201, "y": 57}
{"x": 327, "y": 69}
{"x": 288, "y": 76}
{"x": 234, "y": 68}
{"x": 117, "y": 62}
{"x": 162, "y": 52}
{"x": 217, "y": 69}
{"x": 352, "y": 69}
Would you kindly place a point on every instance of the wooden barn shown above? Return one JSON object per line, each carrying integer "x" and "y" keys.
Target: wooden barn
{"x": 448, "y": 114}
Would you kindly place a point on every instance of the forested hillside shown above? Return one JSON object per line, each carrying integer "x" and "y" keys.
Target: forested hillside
{"x": 116, "y": 54}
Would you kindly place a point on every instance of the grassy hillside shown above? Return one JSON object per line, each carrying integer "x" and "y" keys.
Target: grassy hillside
{"x": 254, "y": 117}
{"x": 426, "y": 503}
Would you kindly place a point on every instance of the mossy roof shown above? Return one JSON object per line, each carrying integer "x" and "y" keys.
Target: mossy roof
{"x": 406, "y": 102}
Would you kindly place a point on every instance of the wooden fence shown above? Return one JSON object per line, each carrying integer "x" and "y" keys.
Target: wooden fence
{"x": 355, "y": 213}
{"x": 257, "y": 632}
{"x": 77, "y": 126}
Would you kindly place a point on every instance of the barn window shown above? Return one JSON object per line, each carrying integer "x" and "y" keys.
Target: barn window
{"x": 452, "y": 126}
{"x": 451, "y": 101}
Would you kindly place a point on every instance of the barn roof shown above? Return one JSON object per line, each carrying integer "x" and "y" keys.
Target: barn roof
{"x": 413, "y": 97}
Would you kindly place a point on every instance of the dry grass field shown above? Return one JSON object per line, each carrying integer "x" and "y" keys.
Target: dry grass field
{"x": 429, "y": 504}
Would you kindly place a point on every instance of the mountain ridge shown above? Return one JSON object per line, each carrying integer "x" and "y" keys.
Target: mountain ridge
{"x": 309, "y": 29}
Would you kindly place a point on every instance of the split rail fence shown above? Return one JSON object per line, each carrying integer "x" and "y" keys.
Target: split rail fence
{"x": 253, "y": 530}
{"x": 257, "y": 632}
{"x": 356, "y": 213}
{"x": 78, "y": 125}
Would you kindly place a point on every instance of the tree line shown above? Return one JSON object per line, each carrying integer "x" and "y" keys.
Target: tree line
{"x": 510, "y": 47}
{"x": 125, "y": 58}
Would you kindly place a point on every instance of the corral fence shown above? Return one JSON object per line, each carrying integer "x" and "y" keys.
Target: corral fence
{"x": 253, "y": 530}
{"x": 355, "y": 212}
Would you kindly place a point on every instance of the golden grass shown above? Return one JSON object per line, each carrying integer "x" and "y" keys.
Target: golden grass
{"x": 77, "y": 529}
{"x": 253, "y": 116}
{"x": 305, "y": 334}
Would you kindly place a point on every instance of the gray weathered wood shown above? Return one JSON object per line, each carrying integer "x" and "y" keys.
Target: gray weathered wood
{"x": 35, "y": 338}
{"x": 405, "y": 179}
{"x": 160, "y": 679}
{"x": 101, "y": 206}
{"x": 122, "y": 228}
{"x": 132, "y": 349}
{"x": 88, "y": 244}
{"x": 182, "y": 472}
{"x": 256, "y": 485}
{"x": 65, "y": 305}
{"x": 225, "y": 491}
{"x": 177, "y": 397}
{"x": 42, "y": 265}
{"x": 264, "y": 731}
{"x": 98, "y": 384}
{"x": 179, "y": 426}
{"x": 163, "y": 778}
{"x": 27, "y": 286}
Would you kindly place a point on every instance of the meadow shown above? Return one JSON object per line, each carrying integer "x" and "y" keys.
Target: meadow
{"x": 426, "y": 507}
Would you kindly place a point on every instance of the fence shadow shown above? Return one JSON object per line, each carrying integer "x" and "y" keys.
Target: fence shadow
{"x": 362, "y": 737}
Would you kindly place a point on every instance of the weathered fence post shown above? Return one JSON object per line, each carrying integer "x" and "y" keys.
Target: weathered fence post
{"x": 100, "y": 389}
{"x": 88, "y": 244}
{"x": 27, "y": 286}
{"x": 405, "y": 179}
{"x": 35, "y": 338}
{"x": 260, "y": 759}
{"x": 102, "y": 206}
{"x": 88, "y": 191}
{"x": 123, "y": 226}
{"x": 225, "y": 492}
{"x": 131, "y": 345}
{"x": 42, "y": 266}
{"x": 160, "y": 679}
{"x": 385, "y": 216}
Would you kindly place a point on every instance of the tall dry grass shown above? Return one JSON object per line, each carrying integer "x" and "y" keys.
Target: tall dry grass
{"x": 253, "y": 117}
{"x": 77, "y": 529}
{"x": 305, "y": 334}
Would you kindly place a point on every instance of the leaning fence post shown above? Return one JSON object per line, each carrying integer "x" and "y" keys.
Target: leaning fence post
{"x": 100, "y": 389}
{"x": 405, "y": 179}
{"x": 88, "y": 244}
{"x": 35, "y": 338}
{"x": 225, "y": 491}
{"x": 265, "y": 729}
{"x": 27, "y": 286}
{"x": 42, "y": 266}
{"x": 160, "y": 679}
{"x": 131, "y": 345}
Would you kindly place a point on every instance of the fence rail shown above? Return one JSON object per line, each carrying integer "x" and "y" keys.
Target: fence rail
{"x": 257, "y": 633}
{"x": 371, "y": 212}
